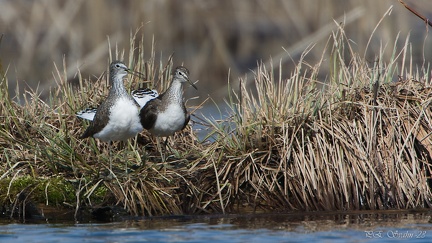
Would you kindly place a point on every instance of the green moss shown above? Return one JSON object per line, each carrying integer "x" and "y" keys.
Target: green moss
{"x": 9, "y": 186}
{"x": 54, "y": 191}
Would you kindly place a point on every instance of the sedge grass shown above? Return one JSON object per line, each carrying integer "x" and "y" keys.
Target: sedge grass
{"x": 354, "y": 140}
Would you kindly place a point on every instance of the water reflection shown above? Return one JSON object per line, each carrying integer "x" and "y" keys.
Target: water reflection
{"x": 354, "y": 226}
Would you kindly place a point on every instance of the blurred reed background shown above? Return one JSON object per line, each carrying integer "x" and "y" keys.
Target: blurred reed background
{"x": 212, "y": 38}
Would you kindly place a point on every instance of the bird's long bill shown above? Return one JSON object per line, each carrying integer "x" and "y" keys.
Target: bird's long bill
{"x": 135, "y": 73}
{"x": 193, "y": 85}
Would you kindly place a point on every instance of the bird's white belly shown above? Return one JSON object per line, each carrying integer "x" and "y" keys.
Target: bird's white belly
{"x": 124, "y": 122}
{"x": 169, "y": 121}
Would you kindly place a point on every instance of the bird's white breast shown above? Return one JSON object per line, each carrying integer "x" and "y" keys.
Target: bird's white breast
{"x": 124, "y": 122}
{"x": 169, "y": 121}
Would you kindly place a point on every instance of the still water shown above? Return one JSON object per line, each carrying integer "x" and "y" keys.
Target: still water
{"x": 320, "y": 227}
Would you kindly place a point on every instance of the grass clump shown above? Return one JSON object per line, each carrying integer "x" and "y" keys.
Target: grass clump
{"x": 355, "y": 139}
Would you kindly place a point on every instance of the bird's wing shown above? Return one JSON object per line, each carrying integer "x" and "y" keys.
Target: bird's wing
{"x": 99, "y": 120}
{"x": 148, "y": 113}
{"x": 142, "y": 96}
{"x": 187, "y": 118}
{"x": 87, "y": 114}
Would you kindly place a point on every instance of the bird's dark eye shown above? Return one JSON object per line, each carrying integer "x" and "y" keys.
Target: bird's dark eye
{"x": 117, "y": 65}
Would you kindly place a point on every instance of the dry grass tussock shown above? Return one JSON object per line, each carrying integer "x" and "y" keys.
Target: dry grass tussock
{"x": 355, "y": 140}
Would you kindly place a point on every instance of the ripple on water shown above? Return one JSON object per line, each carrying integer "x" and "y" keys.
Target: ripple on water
{"x": 358, "y": 227}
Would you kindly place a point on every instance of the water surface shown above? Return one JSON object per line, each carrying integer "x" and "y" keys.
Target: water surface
{"x": 321, "y": 227}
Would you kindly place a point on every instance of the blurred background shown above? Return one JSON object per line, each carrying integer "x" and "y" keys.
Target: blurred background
{"x": 213, "y": 38}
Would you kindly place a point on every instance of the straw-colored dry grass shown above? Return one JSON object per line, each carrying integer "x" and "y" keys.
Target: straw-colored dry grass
{"x": 355, "y": 140}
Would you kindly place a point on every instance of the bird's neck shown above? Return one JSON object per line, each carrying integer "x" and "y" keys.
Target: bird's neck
{"x": 174, "y": 93}
{"x": 117, "y": 86}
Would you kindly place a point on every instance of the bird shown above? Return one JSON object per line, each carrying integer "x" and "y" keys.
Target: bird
{"x": 117, "y": 117}
{"x": 167, "y": 114}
